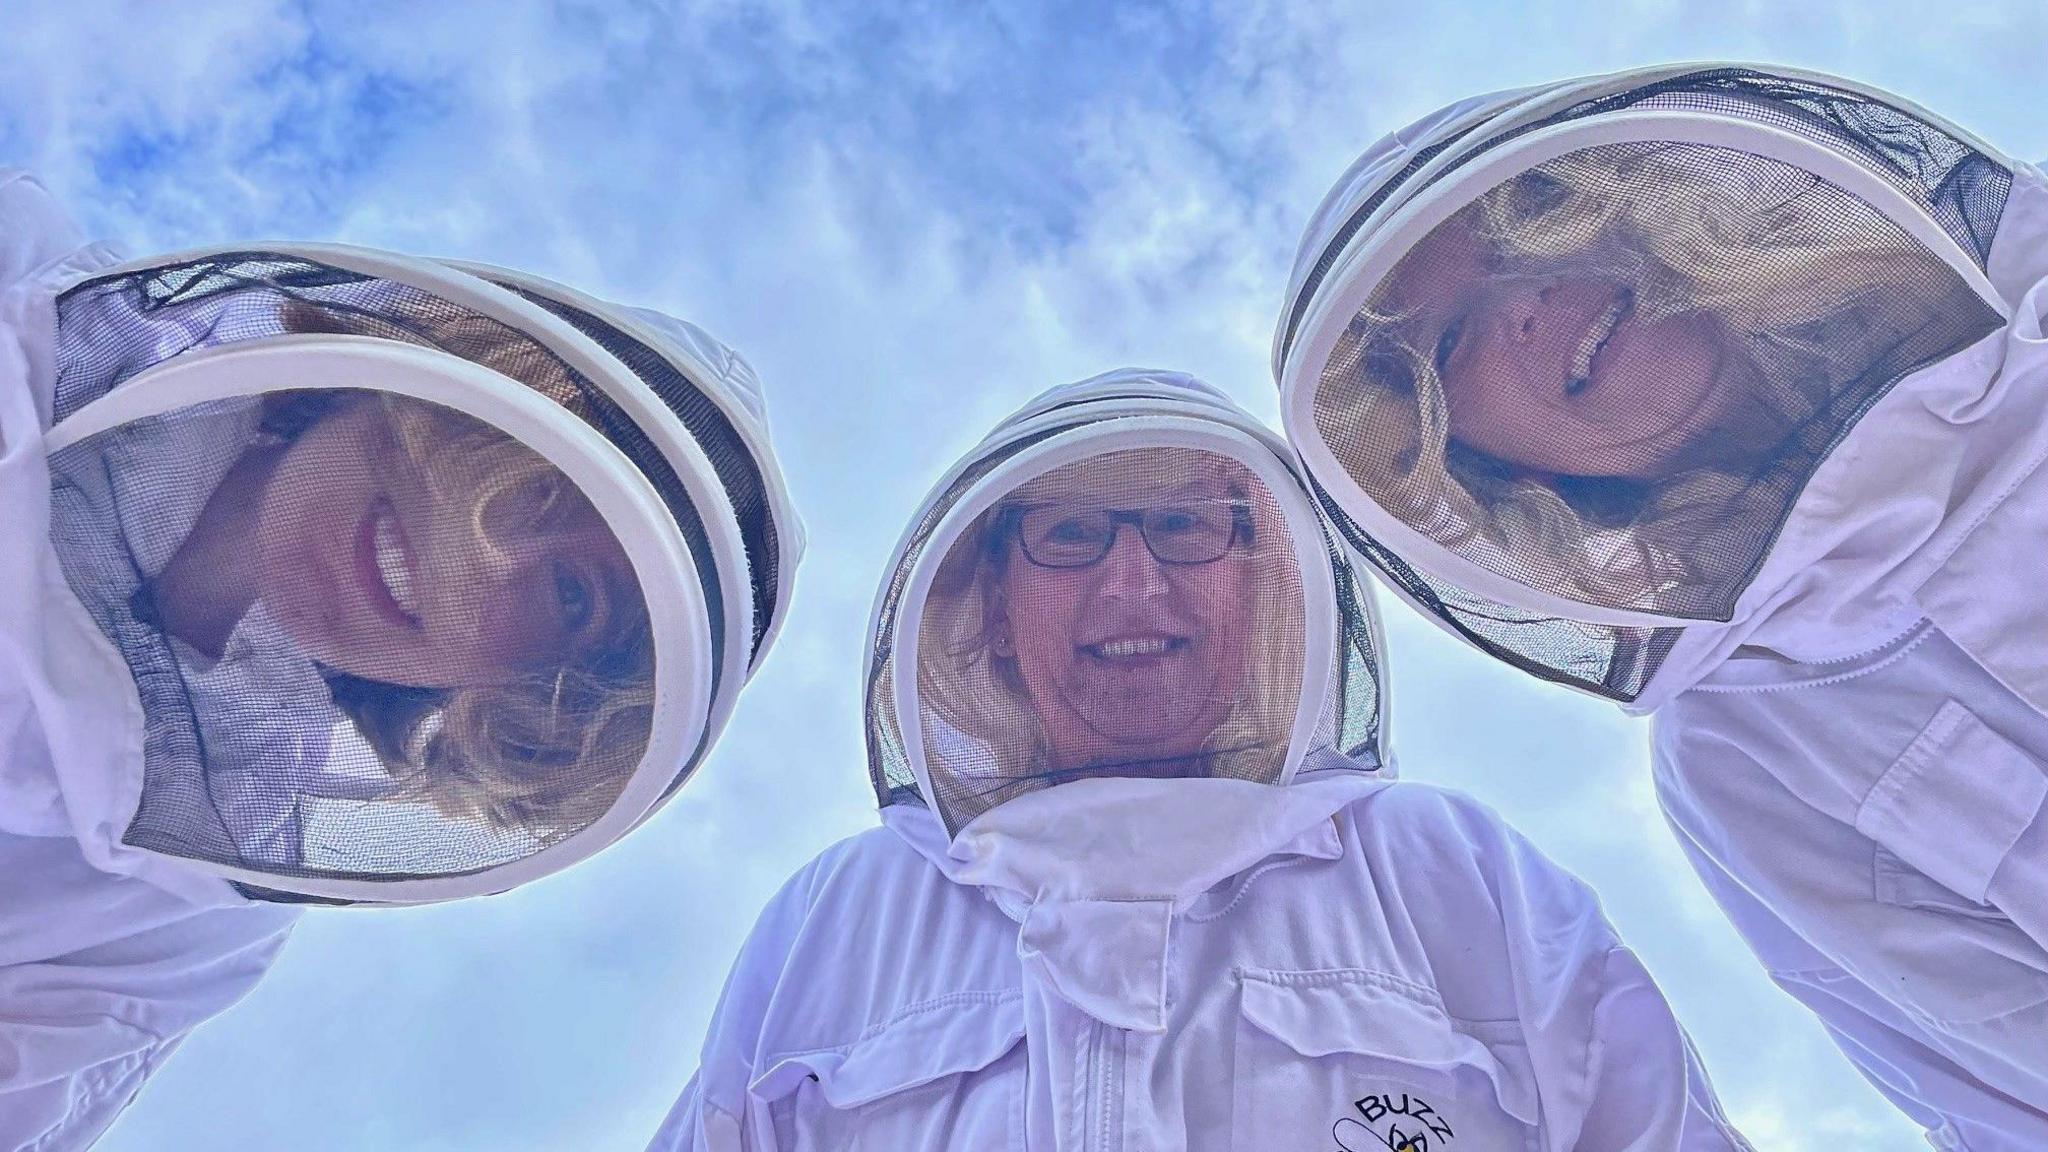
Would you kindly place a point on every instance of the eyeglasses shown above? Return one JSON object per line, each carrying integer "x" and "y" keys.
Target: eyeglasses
{"x": 1058, "y": 536}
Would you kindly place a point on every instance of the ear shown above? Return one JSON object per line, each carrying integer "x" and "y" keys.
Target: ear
{"x": 996, "y": 620}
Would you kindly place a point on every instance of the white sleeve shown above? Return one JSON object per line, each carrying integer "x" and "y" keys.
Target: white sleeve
{"x": 2019, "y": 886}
{"x": 716, "y": 1112}
{"x": 1896, "y": 1056}
{"x": 34, "y": 228}
{"x": 1646, "y": 1088}
{"x": 1895, "y": 1053}
{"x": 1616, "y": 1070}
{"x": 101, "y": 977}
{"x": 694, "y": 1126}
{"x": 683, "y": 1130}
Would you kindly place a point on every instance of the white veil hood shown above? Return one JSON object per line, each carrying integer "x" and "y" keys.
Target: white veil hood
{"x": 915, "y": 748}
{"x": 1879, "y": 517}
{"x": 265, "y": 764}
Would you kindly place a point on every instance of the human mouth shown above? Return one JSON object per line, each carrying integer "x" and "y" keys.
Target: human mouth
{"x": 384, "y": 566}
{"x": 1135, "y": 648}
{"x": 1596, "y": 337}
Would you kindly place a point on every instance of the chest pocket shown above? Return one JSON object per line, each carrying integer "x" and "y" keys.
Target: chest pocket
{"x": 1356, "y": 1061}
{"x": 944, "y": 1074}
{"x": 1901, "y": 885}
{"x": 1943, "y": 816}
{"x": 1954, "y": 802}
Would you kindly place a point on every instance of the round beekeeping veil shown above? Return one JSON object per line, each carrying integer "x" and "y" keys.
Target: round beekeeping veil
{"x": 1127, "y": 579}
{"x": 426, "y": 581}
{"x": 1563, "y": 361}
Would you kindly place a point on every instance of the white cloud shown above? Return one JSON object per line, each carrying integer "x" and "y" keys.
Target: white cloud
{"x": 911, "y": 218}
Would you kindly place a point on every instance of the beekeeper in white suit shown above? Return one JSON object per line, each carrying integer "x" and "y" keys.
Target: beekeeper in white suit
{"x": 332, "y": 576}
{"x": 1722, "y": 392}
{"x": 1144, "y": 880}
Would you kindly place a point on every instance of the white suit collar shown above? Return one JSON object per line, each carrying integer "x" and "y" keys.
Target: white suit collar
{"x": 1095, "y": 871}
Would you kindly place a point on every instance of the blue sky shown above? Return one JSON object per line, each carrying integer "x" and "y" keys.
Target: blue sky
{"x": 910, "y": 217}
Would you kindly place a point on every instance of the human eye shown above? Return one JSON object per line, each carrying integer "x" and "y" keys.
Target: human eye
{"x": 1447, "y": 344}
{"x": 1071, "y": 530}
{"x": 574, "y": 598}
{"x": 1534, "y": 195}
{"x": 1059, "y": 537}
{"x": 1205, "y": 518}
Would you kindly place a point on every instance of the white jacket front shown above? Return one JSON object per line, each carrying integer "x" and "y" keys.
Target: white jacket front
{"x": 1875, "y": 829}
{"x": 1392, "y": 969}
{"x": 1859, "y": 771}
{"x": 1852, "y": 743}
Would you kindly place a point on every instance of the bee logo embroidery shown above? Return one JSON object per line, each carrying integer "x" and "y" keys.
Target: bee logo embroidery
{"x": 1393, "y": 1123}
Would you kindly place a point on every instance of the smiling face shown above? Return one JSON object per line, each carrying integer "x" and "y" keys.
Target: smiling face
{"x": 1132, "y": 660}
{"x": 1604, "y": 383}
{"x": 405, "y": 543}
{"x": 1564, "y": 365}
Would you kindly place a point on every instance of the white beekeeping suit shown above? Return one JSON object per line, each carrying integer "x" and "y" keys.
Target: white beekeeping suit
{"x": 1722, "y": 392}
{"x": 333, "y": 576}
{"x": 1144, "y": 879}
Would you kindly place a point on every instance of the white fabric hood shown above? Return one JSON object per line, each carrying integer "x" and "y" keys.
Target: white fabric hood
{"x": 1340, "y": 702}
{"x": 1093, "y": 860}
{"x": 516, "y": 551}
{"x": 1913, "y": 489}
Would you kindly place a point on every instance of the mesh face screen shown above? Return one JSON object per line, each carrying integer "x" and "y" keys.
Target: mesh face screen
{"x": 112, "y": 327}
{"x": 1615, "y": 662}
{"x": 1138, "y": 613}
{"x": 1963, "y": 189}
{"x": 738, "y": 472}
{"x": 373, "y": 637}
{"x": 1609, "y": 378}
{"x": 888, "y": 758}
{"x": 982, "y": 730}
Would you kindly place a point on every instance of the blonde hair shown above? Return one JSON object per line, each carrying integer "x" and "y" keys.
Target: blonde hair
{"x": 546, "y": 753}
{"x": 1770, "y": 248}
{"x": 964, "y": 683}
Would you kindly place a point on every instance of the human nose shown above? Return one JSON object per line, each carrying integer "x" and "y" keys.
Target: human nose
{"x": 1129, "y": 570}
{"x": 1523, "y": 308}
{"x": 506, "y": 609}
{"x": 472, "y": 565}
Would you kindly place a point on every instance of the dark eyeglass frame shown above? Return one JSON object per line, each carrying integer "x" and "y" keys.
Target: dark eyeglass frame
{"x": 1010, "y": 525}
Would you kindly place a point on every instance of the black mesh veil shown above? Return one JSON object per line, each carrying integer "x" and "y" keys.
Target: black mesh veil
{"x": 1951, "y": 176}
{"x": 1602, "y": 377}
{"x": 739, "y": 471}
{"x": 1084, "y": 601}
{"x": 377, "y": 639}
{"x": 114, "y": 326}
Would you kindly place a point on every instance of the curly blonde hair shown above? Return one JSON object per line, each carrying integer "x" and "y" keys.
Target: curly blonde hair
{"x": 1818, "y": 287}
{"x": 965, "y": 684}
{"x": 548, "y": 752}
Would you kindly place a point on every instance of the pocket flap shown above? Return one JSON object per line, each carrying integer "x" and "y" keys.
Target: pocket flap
{"x": 1955, "y": 801}
{"x": 1372, "y": 1014}
{"x": 922, "y": 1043}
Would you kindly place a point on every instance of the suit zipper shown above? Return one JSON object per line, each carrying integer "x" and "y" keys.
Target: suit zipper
{"x": 1103, "y": 1127}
